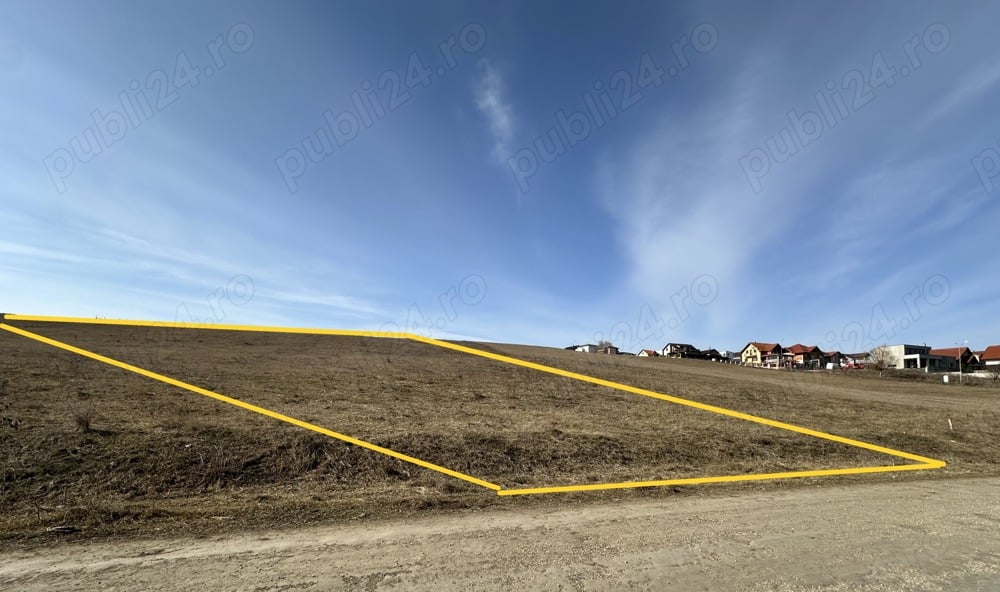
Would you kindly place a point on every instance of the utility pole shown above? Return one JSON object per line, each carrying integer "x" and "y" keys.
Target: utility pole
{"x": 960, "y": 346}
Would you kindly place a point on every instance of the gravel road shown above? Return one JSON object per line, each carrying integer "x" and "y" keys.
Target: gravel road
{"x": 914, "y": 535}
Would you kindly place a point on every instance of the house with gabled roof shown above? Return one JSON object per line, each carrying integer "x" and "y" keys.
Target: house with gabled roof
{"x": 954, "y": 358}
{"x": 805, "y": 355}
{"x": 990, "y": 356}
{"x": 711, "y": 354}
{"x": 648, "y": 353}
{"x": 680, "y": 350}
{"x": 758, "y": 353}
{"x": 834, "y": 359}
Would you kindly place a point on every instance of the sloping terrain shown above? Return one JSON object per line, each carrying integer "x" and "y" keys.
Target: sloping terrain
{"x": 107, "y": 452}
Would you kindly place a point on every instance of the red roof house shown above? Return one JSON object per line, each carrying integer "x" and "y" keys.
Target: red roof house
{"x": 991, "y": 356}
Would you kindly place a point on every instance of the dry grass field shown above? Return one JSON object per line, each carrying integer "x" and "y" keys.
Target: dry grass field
{"x": 111, "y": 454}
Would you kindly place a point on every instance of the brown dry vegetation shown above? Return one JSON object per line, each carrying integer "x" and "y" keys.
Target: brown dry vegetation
{"x": 111, "y": 453}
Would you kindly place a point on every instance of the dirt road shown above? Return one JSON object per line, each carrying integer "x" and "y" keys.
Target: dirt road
{"x": 916, "y": 535}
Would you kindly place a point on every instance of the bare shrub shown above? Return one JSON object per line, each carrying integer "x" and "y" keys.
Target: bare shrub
{"x": 882, "y": 358}
{"x": 83, "y": 419}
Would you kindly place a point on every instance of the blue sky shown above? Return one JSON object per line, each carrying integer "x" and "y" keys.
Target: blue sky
{"x": 703, "y": 172}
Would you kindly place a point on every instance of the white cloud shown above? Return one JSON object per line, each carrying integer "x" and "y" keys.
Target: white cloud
{"x": 491, "y": 101}
{"x": 968, "y": 88}
{"x": 685, "y": 209}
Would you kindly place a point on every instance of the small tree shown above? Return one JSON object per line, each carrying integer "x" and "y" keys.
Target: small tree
{"x": 881, "y": 358}
{"x": 604, "y": 343}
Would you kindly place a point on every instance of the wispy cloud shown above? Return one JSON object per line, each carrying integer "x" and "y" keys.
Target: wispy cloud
{"x": 971, "y": 86}
{"x": 491, "y": 100}
{"x": 341, "y": 303}
{"x": 683, "y": 210}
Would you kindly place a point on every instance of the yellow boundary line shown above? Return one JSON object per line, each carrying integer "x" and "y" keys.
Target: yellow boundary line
{"x": 705, "y": 480}
{"x": 250, "y": 407}
{"x": 923, "y": 462}
{"x": 182, "y": 325}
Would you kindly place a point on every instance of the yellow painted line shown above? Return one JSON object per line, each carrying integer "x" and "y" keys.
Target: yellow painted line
{"x": 203, "y": 326}
{"x": 703, "y": 480}
{"x": 249, "y": 407}
{"x": 924, "y": 463}
{"x": 688, "y": 403}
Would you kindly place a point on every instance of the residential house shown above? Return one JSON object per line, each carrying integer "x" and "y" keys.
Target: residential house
{"x": 805, "y": 355}
{"x": 588, "y": 348}
{"x": 833, "y": 360}
{"x": 990, "y": 357}
{"x": 757, "y": 353}
{"x": 680, "y": 350}
{"x": 648, "y": 353}
{"x": 711, "y": 354}
{"x": 914, "y": 356}
{"x": 954, "y": 358}
{"x": 608, "y": 349}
